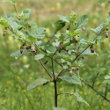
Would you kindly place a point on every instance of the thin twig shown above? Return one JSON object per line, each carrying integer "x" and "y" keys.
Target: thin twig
{"x": 106, "y": 90}
{"x": 65, "y": 93}
{"x": 55, "y": 51}
{"x": 104, "y": 97}
{"x": 81, "y": 53}
{"x": 93, "y": 83}
{"x": 45, "y": 69}
{"x": 53, "y": 68}
{"x": 14, "y": 4}
{"x": 63, "y": 70}
{"x": 58, "y": 63}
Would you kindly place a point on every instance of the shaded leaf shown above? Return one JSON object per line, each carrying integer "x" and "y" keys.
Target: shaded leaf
{"x": 80, "y": 99}
{"x": 37, "y": 83}
{"x": 59, "y": 25}
{"x": 71, "y": 79}
{"x": 16, "y": 54}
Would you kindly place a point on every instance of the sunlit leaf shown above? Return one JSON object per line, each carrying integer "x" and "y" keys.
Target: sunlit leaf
{"x": 39, "y": 56}
{"x": 99, "y": 28}
{"x": 82, "y": 21}
{"x": 26, "y": 13}
{"x": 65, "y": 18}
{"x": 4, "y": 22}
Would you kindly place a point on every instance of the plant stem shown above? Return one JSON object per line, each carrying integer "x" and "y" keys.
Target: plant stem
{"x": 55, "y": 84}
{"x": 14, "y": 4}
{"x": 55, "y": 93}
{"x": 95, "y": 90}
{"x": 45, "y": 69}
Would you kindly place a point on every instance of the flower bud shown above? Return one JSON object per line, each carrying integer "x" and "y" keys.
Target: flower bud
{"x": 106, "y": 35}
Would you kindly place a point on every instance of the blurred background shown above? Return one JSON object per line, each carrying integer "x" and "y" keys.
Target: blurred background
{"x": 16, "y": 74}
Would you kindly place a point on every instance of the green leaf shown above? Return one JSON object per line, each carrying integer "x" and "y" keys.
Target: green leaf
{"x": 16, "y": 54}
{"x": 107, "y": 76}
{"x": 39, "y": 56}
{"x": 65, "y": 19}
{"x": 80, "y": 99}
{"x": 107, "y": 79}
{"x": 59, "y": 25}
{"x": 36, "y": 83}
{"x": 71, "y": 79}
{"x": 19, "y": 54}
{"x": 3, "y": 108}
{"x": 99, "y": 28}
{"x": 40, "y": 33}
{"x": 13, "y": 24}
{"x": 82, "y": 21}
{"x": 88, "y": 52}
{"x": 26, "y": 13}
{"x": 4, "y": 22}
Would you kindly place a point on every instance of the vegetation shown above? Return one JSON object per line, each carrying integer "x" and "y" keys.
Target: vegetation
{"x": 69, "y": 58}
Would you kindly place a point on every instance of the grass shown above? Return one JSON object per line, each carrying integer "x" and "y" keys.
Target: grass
{"x": 16, "y": 74}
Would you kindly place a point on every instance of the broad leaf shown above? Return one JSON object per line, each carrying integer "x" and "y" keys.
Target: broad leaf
{"x": 107, "y": 79}
{"x": 107, "y": 76}
{"x": 59, "y": 25}
{"x": 16, "y": 54}
{"x": 39, "y": 56}
{"x": 37, "y": 83}
{"x": 4, "y": 22}
{"x": 26, "y": 13}
{"x": 80, "y": 99}
{"x": 13, "y": 24}
{"x": 40, "y": 33}
{"x": 82, "y": 21}
{"x": 65, "y": 19}
{"x": 99, "y": 28}
{"x": 71, "y": 79}
{"x": 88, "y": 52}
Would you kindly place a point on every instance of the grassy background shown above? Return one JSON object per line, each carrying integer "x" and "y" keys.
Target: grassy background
{"x": 16, "y": 74}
